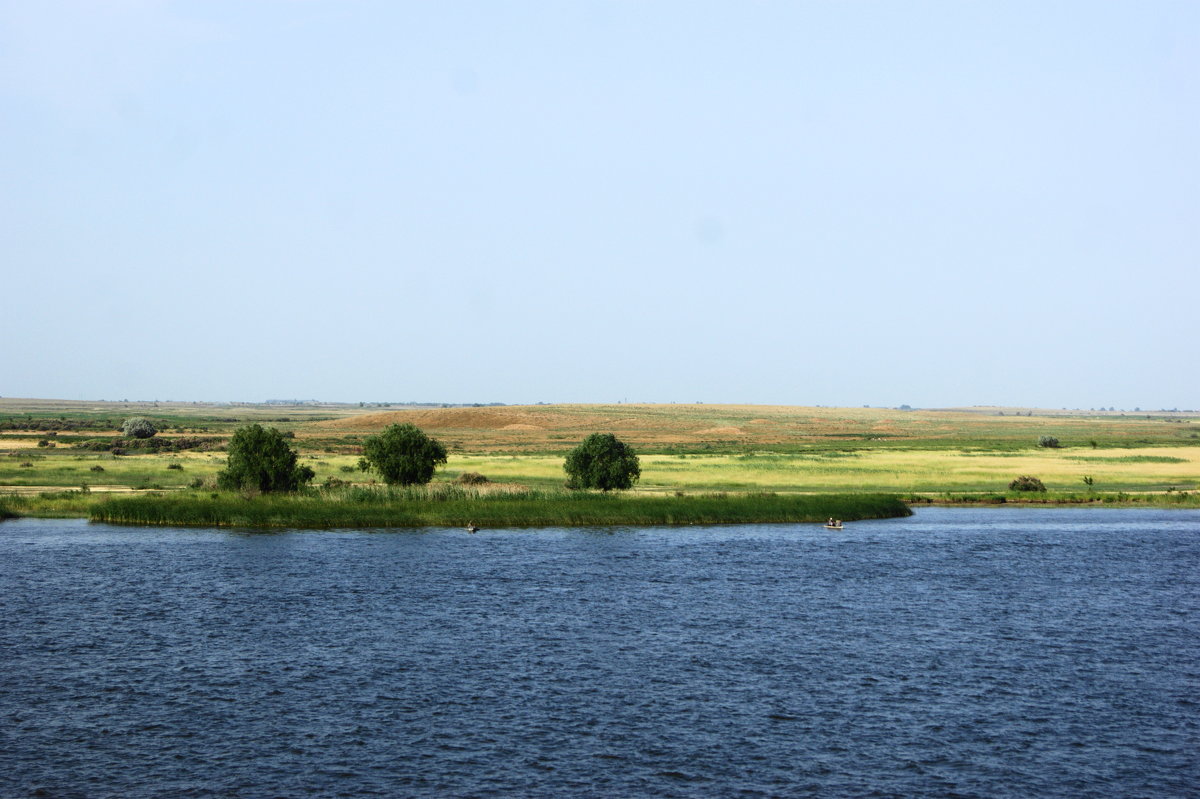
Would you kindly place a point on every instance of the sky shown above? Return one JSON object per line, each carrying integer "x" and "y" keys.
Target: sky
{"x": 805, "y": 203}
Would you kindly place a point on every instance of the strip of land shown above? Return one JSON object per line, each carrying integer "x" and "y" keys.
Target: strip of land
{"x": 72, "y": 457}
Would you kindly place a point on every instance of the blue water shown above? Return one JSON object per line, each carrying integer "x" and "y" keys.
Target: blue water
{"x": 985, "y": 653}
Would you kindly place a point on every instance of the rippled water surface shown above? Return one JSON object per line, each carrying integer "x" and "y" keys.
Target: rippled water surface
{"x": 997, "y": 652}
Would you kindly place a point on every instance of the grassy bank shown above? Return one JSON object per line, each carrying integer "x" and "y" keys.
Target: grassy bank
{"x": 1164, "y": 499}
{"x": 450, "y": 506}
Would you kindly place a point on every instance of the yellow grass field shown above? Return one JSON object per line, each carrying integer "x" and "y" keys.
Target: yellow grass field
{"x": 690, "y": 448}
{"x": 904, "y": 471}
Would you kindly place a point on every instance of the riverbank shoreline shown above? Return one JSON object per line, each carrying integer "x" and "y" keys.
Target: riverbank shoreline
{"x": 455, "y": 507}
{"x": 1117, "y": 499}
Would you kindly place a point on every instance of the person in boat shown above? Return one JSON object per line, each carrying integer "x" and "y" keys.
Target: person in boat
{"x": 830, "y": 522}
{"x": 471, "y": 527}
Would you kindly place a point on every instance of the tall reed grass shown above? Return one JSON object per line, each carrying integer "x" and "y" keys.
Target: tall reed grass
{"x": 456, "y": 506}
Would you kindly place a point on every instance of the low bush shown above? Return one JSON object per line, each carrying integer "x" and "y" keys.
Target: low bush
{"x": 138, "y": 427}
{"x": 1048, "y": 441}
{"x": 177, "y": 466}
{"x": 472, "y": 479}
{"x": 152, "y": 445}
{"x": 97, "y": 468}
{"x": 1026, "y": 483}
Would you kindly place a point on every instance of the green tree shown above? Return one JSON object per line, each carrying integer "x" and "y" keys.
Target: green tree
{"x": 403, "y": 455}
{"x": 602, "y": 461}
{"x": 138, "y": 427}
{"x": 260, "y": 459}
{"x": 1048, "y": 441}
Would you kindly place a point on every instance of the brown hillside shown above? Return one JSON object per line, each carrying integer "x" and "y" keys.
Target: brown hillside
{"x": 703, "y": 428}
{"x": 528, "y": 428}
{"x": 443, "y": 419}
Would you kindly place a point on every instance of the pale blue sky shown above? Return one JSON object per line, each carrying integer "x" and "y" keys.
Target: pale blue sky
{"x": 837, "y": 203}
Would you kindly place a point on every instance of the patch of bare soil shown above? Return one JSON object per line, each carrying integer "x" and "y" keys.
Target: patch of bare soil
{"x": 720, "y": 431}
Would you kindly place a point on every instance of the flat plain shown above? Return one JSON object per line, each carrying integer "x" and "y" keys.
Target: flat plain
{"x": 55, "y": 444}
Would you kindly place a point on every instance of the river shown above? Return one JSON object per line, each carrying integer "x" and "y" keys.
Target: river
{"x": 960, "y": 652}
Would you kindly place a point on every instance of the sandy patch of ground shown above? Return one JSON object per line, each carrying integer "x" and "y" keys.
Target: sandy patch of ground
{"x": 720, "y": 431}
{"x": 44, "y": 489}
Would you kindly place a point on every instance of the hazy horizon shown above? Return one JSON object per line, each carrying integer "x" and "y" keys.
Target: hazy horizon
{"x": 385, "y": 405}
{"x": 936, "y": 204}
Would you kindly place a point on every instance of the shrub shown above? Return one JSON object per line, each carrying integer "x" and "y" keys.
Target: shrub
{"x": 602, "y": 461}
{"x": 403, "y": 455}
{"x": 1026, "y": 483}
{"x": 97, "y": 468}
{"x": 138, "y": 427}
{"x": 260, "y": 460}
{"x": 472, "y": 479}
{"x": 175, "y": 466}
{"x": 1048, "y": 441}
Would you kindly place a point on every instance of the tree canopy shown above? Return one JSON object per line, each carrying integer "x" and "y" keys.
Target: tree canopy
{"x": 602, "y": 461}
{"x": 403, "y": 455}
{"x": 261, "y": 459}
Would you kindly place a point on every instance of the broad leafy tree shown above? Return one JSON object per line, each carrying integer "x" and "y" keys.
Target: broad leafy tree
{"x": 260, "y": 459}
{"x": 403, "y": 455}
{"x": 602, "y": 461}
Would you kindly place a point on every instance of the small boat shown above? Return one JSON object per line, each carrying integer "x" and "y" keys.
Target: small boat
{"x": 833, "y": 526}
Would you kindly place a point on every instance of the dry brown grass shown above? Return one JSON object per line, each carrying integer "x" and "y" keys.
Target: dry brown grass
{"x": 723, "y": 432}
{"x": 546, "y": 428}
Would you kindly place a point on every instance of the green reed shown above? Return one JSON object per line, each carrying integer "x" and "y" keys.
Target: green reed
{"x": 455, "y": 506}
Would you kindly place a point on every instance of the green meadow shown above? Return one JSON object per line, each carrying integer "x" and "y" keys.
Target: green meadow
{"x": 63, "y": 458}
